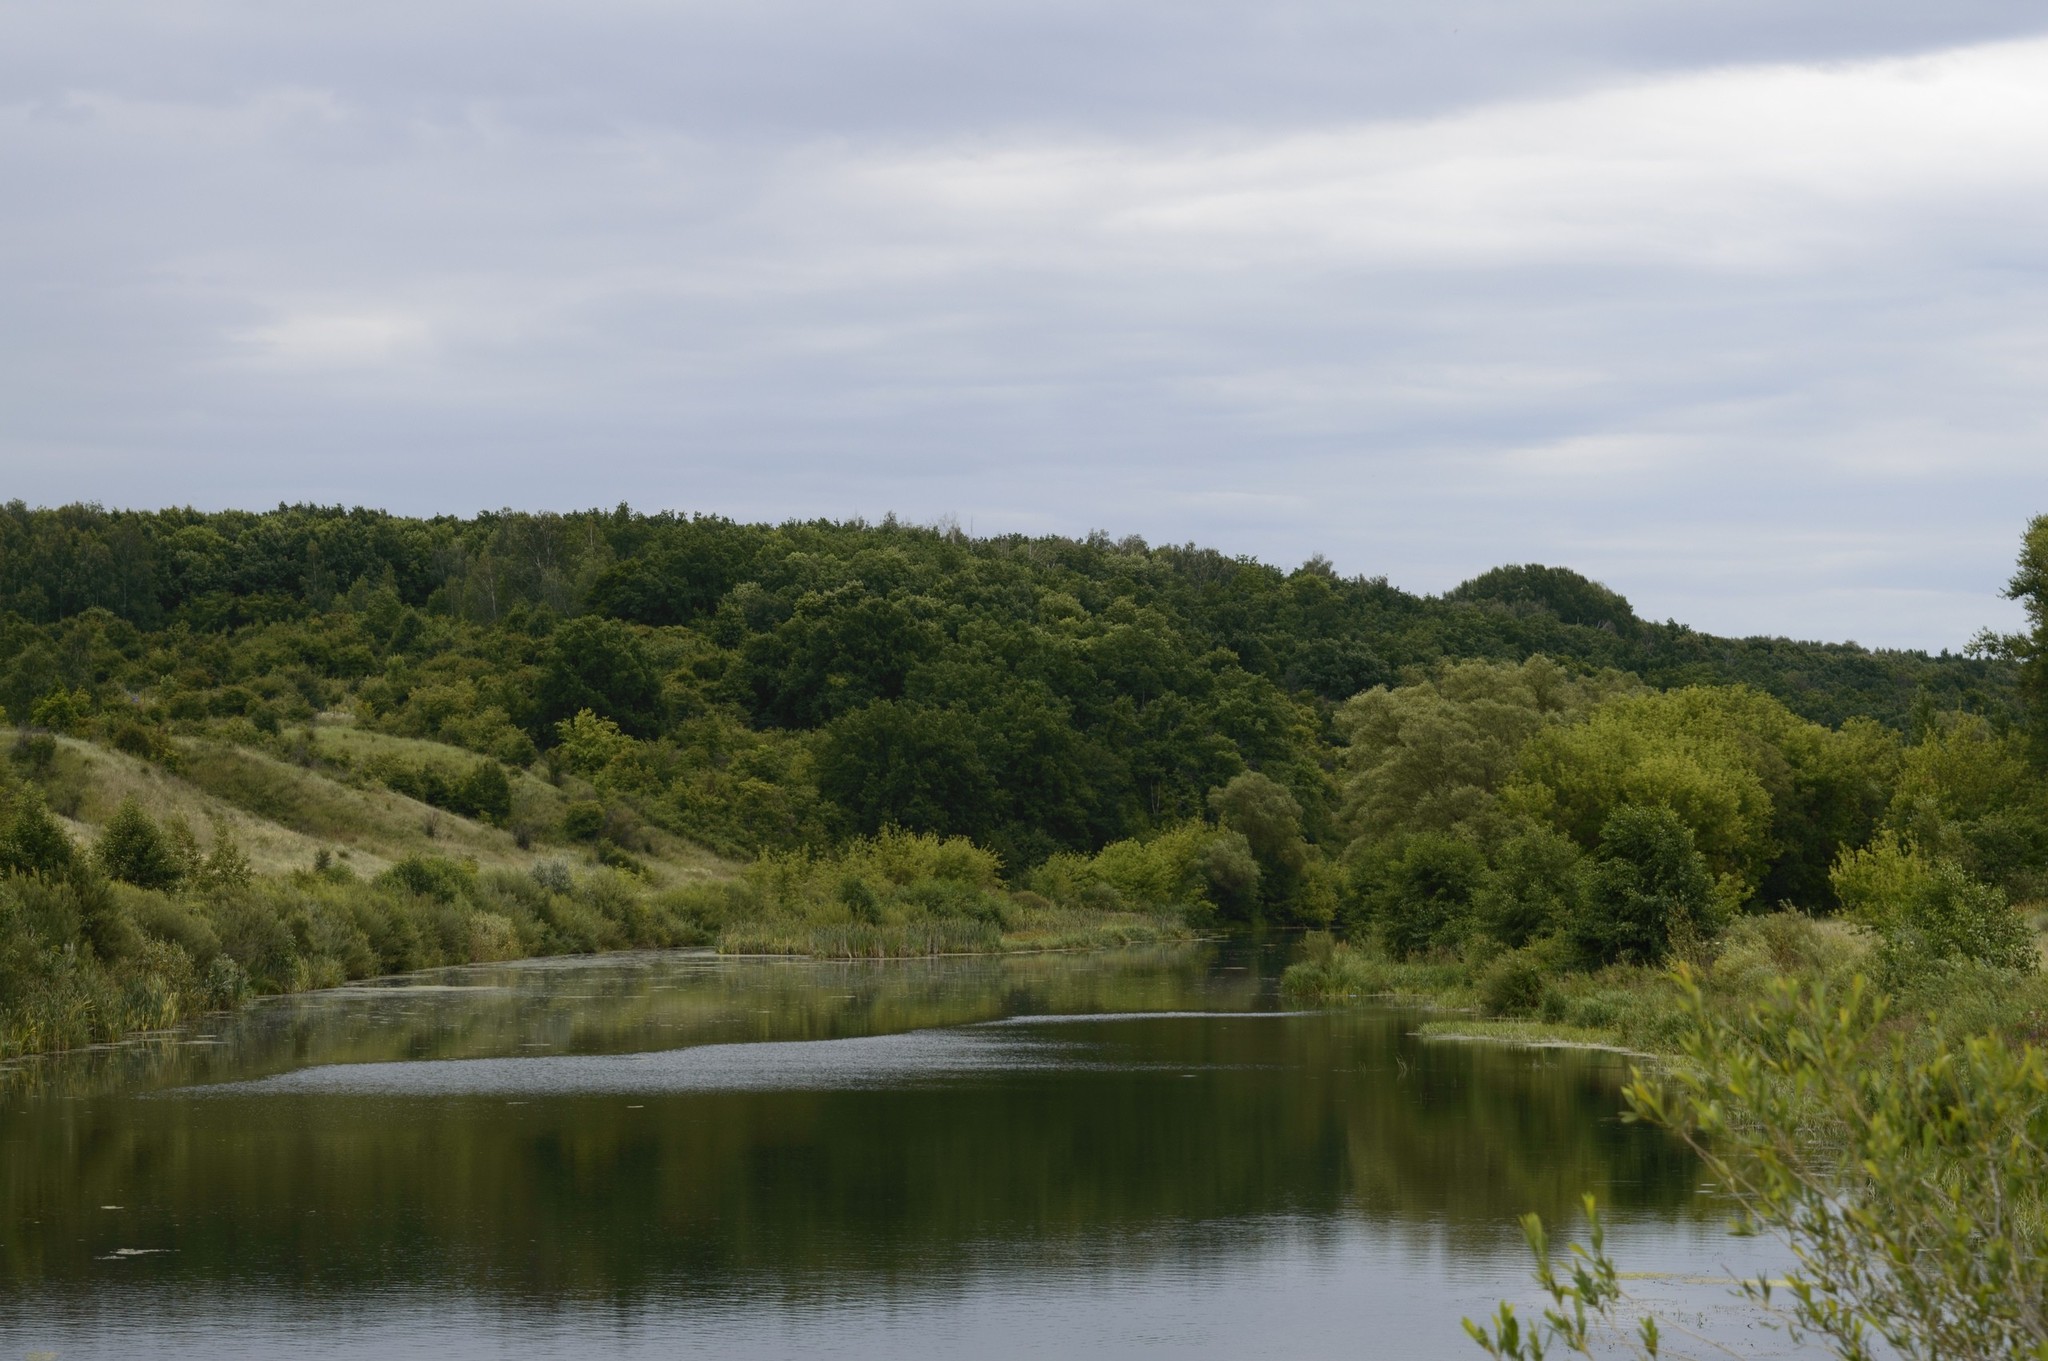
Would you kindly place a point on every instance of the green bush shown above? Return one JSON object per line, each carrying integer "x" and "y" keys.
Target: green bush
{"x": 1513, "y": 984}
{"x": 429, "y": 877}
{"x": 1646, "y": 889}
{"x": 1952, "y": 916}
{"x": 583, "y": 820}
{"x": 1423, "y": 900}
{"x": 33, "y": 843}
{"x": 133, "y": 849}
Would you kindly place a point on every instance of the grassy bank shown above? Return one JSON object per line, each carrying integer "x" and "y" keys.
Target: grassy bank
{"x": 1536, "y": 996}
{"x": 138, "y": 890}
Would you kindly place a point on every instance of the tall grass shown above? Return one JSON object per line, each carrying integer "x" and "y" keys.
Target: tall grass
{"x": 902, "y": 894}
{"x": 85, "y": 961}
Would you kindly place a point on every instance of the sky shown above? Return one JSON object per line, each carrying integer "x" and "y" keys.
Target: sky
{"x": 1739, "y": 307}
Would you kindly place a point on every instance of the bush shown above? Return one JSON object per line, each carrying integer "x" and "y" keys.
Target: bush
{"x": 429, "y": 877}
{"x": 1646, "y": 889}
{"x": 35, "y": 752}
{"x": 583, "y": 820}
{"x": 1875, "y": 883}
{"x": 134, "y": 850}
{"x": 484, "y": 793}
{"x": 1424, "y": 897}
{"x": 33, "y": 843}
{"x": 1513, "y": 984}
{"x": 1951, "y": 916}
{"x": 1916, "y": 1220}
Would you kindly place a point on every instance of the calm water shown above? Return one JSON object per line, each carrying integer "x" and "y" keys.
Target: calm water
{"x": 1123, "y": 1155}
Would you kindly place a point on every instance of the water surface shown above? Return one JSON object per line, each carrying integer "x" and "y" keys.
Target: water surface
{"x": 1138, "y": 1154}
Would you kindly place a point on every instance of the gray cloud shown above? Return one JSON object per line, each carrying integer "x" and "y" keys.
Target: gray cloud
{"x": 1738, "y": 307}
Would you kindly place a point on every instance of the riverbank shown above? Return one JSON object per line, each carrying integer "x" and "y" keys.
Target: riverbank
{"x": 85, "y": 961}
{"x": 88, "y": 959}
{"x": 1528, "y": 997}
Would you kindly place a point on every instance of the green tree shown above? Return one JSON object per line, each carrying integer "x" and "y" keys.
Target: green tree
{"x": 1269, "y": 818}
{"x": 1422, "y": 897}
{"x": 225, "y": 869}
{"x": 133, "y": 849}
{"x": 1770, "y": 799}
{"x": 600, "y": 665}
{"x": 1430, "y": 756}
{"x": 1533, "y": 887}
{"x": 485, "y": 793}
{"x": 1646, "y": 889}
{"x": 2029, "y": 586}
{"x": 33, "y": 843}
{"x": 894, "y": 764}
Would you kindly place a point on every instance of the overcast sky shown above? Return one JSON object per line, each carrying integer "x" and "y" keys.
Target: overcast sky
{"x": 1739, "y": 306}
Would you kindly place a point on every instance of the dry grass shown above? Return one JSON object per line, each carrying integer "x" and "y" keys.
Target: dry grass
{"x": 283, "y": 814}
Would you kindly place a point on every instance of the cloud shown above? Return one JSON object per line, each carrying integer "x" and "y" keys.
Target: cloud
{"x": 1672, "y": 302}
{"x": 321, "y": 340}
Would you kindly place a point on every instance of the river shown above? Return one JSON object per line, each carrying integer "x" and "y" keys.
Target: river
{"x": 1120, "y": 1155}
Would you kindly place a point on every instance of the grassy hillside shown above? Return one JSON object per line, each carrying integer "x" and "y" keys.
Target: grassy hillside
{"x": 284, "y": 812}
{"x": 138, "y": 887}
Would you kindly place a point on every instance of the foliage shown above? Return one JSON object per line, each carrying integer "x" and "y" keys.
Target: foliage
{"x": 1134, "y": 734}
{"x": 1770, "y": 798}
{"x": 1904, "y": 1176}
{"x": 1191, "y": 865}
{"x": 1647, "y": 889}
{"x": 33, "y": 843}
{"x": 1332, "y": 971}
{"x": 1930, "y": 908}
{"x": 1268, "y": 817}
{"x": 1533, "y": 887}
{"x": 1969, "y": 792}
{"x": 1420, "y": 898}
{"x": 483, "y": 792}
{"x": 1583, "y": 1301}
{"x": 134, "y": 850}
{"x": 1431, "y": 755}
{"x": 2029, "y": 586}
{"x": 907, "y": 893}
{"x": 1948, "y": 915}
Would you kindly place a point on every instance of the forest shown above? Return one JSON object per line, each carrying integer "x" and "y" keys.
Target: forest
{"x": 257, "y": 752}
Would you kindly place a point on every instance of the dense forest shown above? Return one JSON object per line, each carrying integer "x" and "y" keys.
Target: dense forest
{"x": 876, "y": 727}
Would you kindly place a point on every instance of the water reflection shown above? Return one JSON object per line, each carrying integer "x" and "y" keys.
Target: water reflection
{"x": 674, "y": 1150}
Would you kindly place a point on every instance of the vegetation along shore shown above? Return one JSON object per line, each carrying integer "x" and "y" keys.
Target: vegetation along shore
{"x": 255, "y": 753}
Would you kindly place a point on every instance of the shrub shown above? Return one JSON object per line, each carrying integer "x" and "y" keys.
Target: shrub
{"x": 1646, "y": 888}
{"x": 134, "y": 850}
{"x": 35, "y": 752}
{"x": 1513, "y": 984}
{"x": 1876, "y": 882}
{"x": 1424, "y": 897}
{"x": 33, "y": 843}
{"x": 484, "y": 793}
{"x": 1915, "y": 1221}
{"x": 429, "y": 876}
{"x": 173, "y": 919}
{"x": 1758, "y": 949}
{"x": 1951, "y": 916}
{"x": 859, "y": 900}
{"x": 583, "y": 820}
